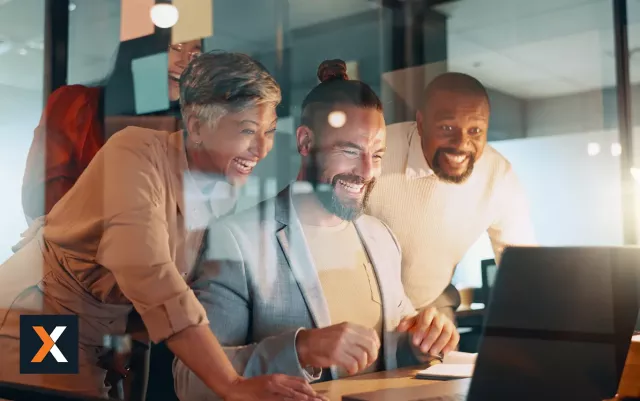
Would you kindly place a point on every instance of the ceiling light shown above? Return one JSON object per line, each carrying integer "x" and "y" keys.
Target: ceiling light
{"x": 593, "y": 148}
{"x": 72, "y": 6}
{"x": 164, "y": 15}
{"x": 22, "y": 52}
{"x": 616, "y": 149}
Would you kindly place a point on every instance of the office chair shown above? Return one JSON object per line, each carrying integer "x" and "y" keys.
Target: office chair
{"x": 489, "y": 269}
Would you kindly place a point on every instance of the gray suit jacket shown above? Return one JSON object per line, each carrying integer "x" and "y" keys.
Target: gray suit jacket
{"x": 260, "y": 288}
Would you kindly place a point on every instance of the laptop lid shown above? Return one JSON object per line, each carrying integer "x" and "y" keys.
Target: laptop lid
{"x": 559, "y": 324}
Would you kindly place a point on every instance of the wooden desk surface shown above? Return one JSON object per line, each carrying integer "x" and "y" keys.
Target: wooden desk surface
{"x": 334, "y": 390}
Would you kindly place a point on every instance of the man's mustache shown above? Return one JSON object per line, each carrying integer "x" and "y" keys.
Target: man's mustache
{"x": 350, "y": 179}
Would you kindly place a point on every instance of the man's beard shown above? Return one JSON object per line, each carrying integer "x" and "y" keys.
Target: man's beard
{"x": 346, "y": 209}
{"x": 349, "y": 209}
{"x": 452, "y": 178}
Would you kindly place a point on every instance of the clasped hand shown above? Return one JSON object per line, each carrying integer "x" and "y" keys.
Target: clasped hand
{"x": 431, "y": 331}
{"x": 346, "y": 345}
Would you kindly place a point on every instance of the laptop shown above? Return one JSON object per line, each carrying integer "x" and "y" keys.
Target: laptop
{"x": 559, "y": 326}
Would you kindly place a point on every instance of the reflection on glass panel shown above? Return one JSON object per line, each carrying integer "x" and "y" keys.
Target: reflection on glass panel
{"x": 21, "y": 72}
{"x": 550, "y": 70}
{"x": 633, "y": 37}
{"x": 94, "y": 28}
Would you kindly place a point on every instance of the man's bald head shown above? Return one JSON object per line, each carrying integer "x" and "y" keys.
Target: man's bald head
{"x": 455, "y": 82}
{"x": 453, "y": 121}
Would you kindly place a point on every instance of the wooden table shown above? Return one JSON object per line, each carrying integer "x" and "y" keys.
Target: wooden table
{"x": 334, "y": 390}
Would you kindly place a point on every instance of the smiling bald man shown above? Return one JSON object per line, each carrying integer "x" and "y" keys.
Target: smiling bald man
{"x": 442, "y": 186}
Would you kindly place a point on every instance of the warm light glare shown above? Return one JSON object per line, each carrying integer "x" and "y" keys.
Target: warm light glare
{"x": 164, "y": 15}
{"x": 337, "y": 119}
{"x": 616, "y": 149}
{"x": 635, "y": 173}
{"x": 593, "y": 148}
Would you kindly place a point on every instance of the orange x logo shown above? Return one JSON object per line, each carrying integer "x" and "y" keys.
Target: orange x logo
{"x": 49, "y": 344}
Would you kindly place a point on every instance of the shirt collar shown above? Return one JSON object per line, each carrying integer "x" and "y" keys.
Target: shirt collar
{"x": 417, "y": 166}
{"x": 206, "y": 196}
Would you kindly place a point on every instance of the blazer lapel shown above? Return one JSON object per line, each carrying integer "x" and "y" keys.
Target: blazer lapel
{"x": 380, "y": 263}
{"x": 296, "y": 251}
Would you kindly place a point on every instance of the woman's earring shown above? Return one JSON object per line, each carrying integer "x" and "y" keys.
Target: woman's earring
{"x": 198, "y": 144}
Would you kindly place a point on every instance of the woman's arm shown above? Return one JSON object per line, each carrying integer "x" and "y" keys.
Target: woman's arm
{"x": 135, "y": 248}
{"x": 209, "y": 358}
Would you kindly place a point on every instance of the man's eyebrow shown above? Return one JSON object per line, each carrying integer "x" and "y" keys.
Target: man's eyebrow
{"x": 382, "y": 149}
{"x": 248, "y": 121}
{"x": 347, "y": 144}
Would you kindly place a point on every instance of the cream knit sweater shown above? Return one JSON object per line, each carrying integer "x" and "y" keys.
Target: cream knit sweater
{"x": 437, "y": 222}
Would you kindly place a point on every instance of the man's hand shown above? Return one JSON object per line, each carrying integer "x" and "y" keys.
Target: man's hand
{"x": 272, "y": 388}
{"x": 432, "y": 332}
{"x": 346, "y": 345}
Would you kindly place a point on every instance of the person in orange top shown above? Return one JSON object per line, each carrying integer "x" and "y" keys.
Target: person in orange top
{"x": 69, "y": 135}
{"x": 71, "y": 131}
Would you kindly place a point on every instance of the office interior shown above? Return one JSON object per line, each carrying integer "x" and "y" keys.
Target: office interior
{"x": 564, "y": 92}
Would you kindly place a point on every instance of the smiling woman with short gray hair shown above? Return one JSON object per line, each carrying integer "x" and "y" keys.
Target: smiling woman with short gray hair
{"x": 121, "y": 240}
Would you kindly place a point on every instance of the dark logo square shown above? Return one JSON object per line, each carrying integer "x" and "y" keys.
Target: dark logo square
{"x": 49, "y": 344}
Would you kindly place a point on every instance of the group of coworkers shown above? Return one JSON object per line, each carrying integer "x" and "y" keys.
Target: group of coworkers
{"x": 346, "y": 271}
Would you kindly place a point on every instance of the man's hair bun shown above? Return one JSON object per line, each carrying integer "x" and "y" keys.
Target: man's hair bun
{"x": 330, "y": 70}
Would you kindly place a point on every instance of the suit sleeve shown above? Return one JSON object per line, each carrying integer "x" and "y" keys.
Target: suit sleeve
{"x": 221, "y": 285}
{"x": 135, "y": 243}
{"x": 513, "y": 225}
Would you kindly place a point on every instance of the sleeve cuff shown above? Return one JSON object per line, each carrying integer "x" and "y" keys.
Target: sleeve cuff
{"x": 173, "y": 316}
{"x": 310, "y": 373}
{"x": 278, "y": 354}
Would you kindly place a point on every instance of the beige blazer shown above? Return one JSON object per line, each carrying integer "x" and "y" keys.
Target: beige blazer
{"x": 117, "y": 240}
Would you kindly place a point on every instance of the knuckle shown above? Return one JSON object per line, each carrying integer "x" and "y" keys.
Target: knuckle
{"x": 353, "y": 367}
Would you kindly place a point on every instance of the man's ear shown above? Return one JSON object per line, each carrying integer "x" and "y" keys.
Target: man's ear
{"x": 193, "y": 129}
{"x": 304, "y": 140}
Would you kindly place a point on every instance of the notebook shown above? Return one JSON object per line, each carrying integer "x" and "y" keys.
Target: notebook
{"x": 455, "y": 365}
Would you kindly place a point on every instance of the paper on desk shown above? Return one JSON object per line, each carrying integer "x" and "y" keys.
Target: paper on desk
{"x": 444, "y": 371}
{"x": 455, "y": 358}
{"x": 636, "y": 338}
{"x": 455, "y": 365}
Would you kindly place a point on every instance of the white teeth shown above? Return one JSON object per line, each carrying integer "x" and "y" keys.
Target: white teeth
{"x": 350, "y": 187}
{"x": 244, "y": 165}
{"x": 455, "y": 158}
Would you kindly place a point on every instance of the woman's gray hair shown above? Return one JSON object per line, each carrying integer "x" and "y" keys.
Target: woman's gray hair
{"x": 218, "y": 82}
